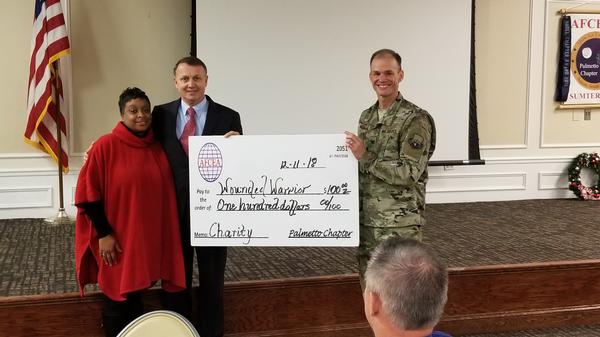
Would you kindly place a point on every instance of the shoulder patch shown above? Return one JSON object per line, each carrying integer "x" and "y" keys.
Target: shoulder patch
{"x": 417, "y": 142}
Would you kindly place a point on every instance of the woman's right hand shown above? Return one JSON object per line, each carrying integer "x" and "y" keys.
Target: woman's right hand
{"x": 109, "y": 249}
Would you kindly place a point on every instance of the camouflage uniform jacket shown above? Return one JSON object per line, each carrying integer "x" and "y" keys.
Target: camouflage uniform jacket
{"x": 393, "y": 170}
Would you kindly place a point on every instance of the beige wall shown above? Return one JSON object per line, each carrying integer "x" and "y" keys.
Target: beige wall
{"x": 563, "y": 127}
{"x": 105, "y": 60}
{"x": 114, "y": 44}
{"x": 525, "y": 142}
{"x": 123, "y": 43}
{"x": 16, "y": 18}
{"x": 132, "y": 43}
{"x": 501, "y": 49}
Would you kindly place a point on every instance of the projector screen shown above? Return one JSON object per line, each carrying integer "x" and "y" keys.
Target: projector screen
{"x": 301, "y": 66}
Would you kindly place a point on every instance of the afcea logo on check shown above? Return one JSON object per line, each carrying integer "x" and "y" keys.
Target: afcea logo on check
{"x": 210, "y": 162}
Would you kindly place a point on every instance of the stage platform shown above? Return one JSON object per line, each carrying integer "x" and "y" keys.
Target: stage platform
{"x": 510, "y": 268}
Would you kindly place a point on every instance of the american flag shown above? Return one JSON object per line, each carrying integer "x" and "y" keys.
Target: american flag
{"x": 45, "y": 105}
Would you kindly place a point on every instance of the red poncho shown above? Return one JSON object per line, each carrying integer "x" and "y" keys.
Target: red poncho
{"x": 132, "y": 178}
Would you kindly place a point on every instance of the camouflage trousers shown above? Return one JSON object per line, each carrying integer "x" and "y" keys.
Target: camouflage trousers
{"x": 371, "y": 236}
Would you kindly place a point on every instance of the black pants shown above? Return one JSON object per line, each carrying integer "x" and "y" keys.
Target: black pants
{"x": 211, "y": 273}
{"x": 116, "y": 315}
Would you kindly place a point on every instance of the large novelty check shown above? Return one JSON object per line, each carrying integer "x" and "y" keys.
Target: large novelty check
{"x": 299, "y": 190}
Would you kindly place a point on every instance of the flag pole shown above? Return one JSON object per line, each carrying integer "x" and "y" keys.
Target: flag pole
{"x": 62, "y": 218}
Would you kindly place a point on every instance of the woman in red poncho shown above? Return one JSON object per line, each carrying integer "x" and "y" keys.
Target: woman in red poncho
{"x": 127, "y": 232}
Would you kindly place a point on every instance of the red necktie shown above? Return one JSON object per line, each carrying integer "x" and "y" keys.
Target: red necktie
{"x": 189, "y": 129}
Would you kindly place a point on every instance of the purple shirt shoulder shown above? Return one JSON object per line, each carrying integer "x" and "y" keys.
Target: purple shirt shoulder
{"x": 439, "y": 334}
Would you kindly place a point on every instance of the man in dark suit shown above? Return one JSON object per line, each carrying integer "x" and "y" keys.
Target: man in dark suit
{"x": 194, "y": 113}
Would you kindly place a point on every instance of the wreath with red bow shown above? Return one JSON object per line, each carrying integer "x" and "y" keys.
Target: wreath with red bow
{"x": 585, "y": 160}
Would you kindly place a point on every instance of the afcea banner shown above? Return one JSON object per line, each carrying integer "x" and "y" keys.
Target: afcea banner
{"x": 579, "y": 63}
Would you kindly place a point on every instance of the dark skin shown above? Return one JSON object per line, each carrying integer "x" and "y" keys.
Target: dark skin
{"x": 136, "y": 116}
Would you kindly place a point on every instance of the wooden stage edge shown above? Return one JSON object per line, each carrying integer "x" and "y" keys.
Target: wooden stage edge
{"x": 481, "y": 299}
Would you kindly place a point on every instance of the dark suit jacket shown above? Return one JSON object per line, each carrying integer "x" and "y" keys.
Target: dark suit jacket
{"x": 219, "y": 120}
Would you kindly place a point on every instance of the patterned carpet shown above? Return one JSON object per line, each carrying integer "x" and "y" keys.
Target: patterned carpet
{"x": 508, "y": 232}
{"x": 37, "y": 259}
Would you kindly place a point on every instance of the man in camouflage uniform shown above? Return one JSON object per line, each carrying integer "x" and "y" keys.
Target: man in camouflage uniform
{"x": 395, "y": 141}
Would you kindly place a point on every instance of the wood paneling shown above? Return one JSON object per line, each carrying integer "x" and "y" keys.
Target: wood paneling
{"x": 52, "y": 315}
{"x": 524, "y": 296}
{"x": 293, "y": 304}
{"x": 480, "y": 299}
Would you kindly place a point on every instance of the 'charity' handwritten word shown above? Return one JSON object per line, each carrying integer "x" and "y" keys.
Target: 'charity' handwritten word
{"x": 239, "y": 232}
